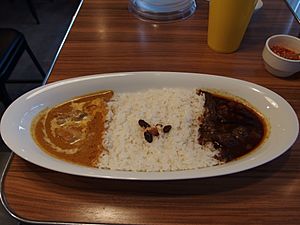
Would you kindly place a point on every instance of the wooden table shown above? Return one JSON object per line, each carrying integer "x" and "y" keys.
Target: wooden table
{"x": 107, "y": 38}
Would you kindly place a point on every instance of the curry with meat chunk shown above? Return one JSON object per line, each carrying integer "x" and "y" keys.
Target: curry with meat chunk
{"x": 231, "y": 126}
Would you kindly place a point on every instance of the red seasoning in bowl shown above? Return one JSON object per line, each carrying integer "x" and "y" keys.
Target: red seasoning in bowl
{"x": 285, "y": 53}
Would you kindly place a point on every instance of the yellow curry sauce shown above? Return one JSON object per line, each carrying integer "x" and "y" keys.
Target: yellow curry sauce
{"x": 73, "y": 130}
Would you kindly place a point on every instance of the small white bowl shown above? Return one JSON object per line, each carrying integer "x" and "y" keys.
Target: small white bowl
{"x": 276, "y": 64}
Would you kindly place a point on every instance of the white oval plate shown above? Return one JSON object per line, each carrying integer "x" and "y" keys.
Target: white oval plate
{"x": 16, "y": 121}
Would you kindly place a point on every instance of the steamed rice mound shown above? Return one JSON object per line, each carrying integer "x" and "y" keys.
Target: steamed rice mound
{"x": 126, "y": 147}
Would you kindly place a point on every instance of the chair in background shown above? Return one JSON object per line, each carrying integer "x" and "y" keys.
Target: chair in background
{"x": 12, "y": 46}
{"x": 32, "y": 10}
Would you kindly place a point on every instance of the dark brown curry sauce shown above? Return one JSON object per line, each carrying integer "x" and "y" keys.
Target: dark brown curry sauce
{"x": 232, "y": 127}
{"x": 73, "y": 130}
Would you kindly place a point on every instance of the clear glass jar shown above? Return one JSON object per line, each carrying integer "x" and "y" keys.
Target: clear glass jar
{"x": 162, "y": 10}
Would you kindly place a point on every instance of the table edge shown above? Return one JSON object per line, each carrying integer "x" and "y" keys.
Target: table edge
{"x": 4, "y": 173}
{"x": 19, "y": 218}
{"x": 63, "y": 42}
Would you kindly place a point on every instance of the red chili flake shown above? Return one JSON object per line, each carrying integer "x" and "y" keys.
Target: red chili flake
{"x": 153, "y": 131}
{"x": 285, "y": 53}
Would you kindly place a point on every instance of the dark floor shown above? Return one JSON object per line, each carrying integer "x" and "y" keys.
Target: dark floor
{"x": 44, "y": 39}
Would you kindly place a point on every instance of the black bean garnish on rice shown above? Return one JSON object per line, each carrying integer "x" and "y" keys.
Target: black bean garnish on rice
{"x": 148, "y": 136}
{"x": 143, "y": 124}
{"x": 167, "y": 128}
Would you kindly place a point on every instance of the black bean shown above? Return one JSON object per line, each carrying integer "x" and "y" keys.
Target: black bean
{"x": 148, "y": 136}
{"x": 167, "y": 128}
{"x": 143, "y": 123}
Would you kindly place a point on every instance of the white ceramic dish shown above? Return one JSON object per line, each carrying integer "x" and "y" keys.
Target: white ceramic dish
{"x": 277, "y": 65}
{"x": 16, "y": 121}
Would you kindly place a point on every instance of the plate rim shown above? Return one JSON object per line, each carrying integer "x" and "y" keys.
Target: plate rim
{"x": 170, "y": 175}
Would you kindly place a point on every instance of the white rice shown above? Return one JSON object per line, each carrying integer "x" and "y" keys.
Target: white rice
{"x": 124, "y": 139}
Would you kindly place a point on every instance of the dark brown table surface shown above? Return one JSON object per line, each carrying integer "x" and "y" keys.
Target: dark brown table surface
{"x": 107, "y": 38}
